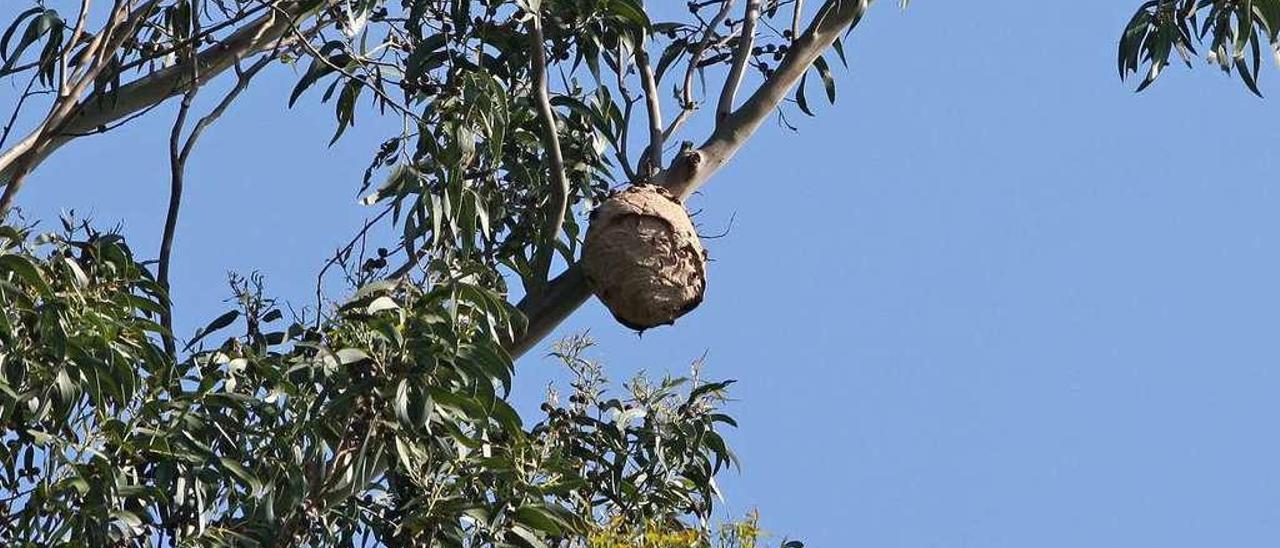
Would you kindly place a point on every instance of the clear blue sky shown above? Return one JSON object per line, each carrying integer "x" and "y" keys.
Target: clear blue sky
{"x": 991, "y": 298}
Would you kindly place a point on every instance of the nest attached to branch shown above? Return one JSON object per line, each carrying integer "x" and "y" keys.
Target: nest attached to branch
{"x": 643, "y": 259}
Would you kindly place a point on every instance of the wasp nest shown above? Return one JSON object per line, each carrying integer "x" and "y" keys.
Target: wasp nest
{"x": 643, "y": 258}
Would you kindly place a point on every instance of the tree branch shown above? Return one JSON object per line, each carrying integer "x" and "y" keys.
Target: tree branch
{"x": 653, "y": 159}
{"x": 688, "y": 107}
{"x": 746, "y": 40}
{"x": 832, "y": 19}
{"x": 20, "y": 160}
{"x": 177, "y": 163}
{"x": 17, "y": 109}
{"x": 92, "y": 113}
{"x": 690, "y": 171}
{"x": 795, "y": 17}
{"x": 563, "y": 295}
{"x": 177, "y": 168}
{"x": 75, "y": 37}
{"x": 559, "y": 182}
{"x": 624, "y": 135}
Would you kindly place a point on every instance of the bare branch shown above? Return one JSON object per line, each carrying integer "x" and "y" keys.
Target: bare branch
{"x": 340, "y": 257}
{"x": 624, "y": 137}
{"x": 75, "y": 37}
{"x": 653, "y": 159}
{"x": 177, "y": 169}
{"x": 178, "y": 156}
{"x": 620, "y": 151}
{"x": 17, "y": 109}
{"x": 559, "y": 182}
{"x": 832, "y": 19}
{"x": 242, "y": 83}
{"x": 746, "y": 40}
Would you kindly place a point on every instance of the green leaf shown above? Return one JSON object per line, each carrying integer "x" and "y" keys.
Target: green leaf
{"x": 381, "y": 304}
{"x": 348, "y": 356}
{"x": 13, "y": 29}
{"x": 839, "y": 47}
{"x": 528, "y": 536}
{"x": 401, "y": 404}
{"x": 709, "y": 388}
{"x": 320, "y": 67}
{"x": 827, "y": 81}
{"x": 540, "y": 518}
{"x": 1247, "y": 76}
{"x": 47, "y": 21}
{"x": 26, "y": 271}
{"x": 630, "y": 12}
{"x": 416, "y": 64}
{"x": 243, "y": 474}
{"x": 801, "y": 101}
{"x": 674, "y": 51}
{"x": 221, "y": 322}
{"x": 345, "y": 110}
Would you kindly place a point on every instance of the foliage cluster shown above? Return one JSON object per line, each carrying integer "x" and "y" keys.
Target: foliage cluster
{"x": 387, "y": 422}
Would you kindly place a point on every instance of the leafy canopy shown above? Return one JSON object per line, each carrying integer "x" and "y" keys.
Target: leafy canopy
{"x": 381, "y": 416}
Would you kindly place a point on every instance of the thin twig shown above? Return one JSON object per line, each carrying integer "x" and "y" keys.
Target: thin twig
{"x": 746, "y": 40}
{"x": 338, "y": 257}
{"x": 75, "y": 37}
{"x": 178, "y": 157}
{"x": 177, "y": 169}
{"x": 795, "y": 18}
{"x": 688, "y": 106}
{"x": 17, "y": 109}
{"x": 242, "y": 83}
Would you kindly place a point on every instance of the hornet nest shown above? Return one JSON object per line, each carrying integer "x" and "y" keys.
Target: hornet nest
{"x": 643, "y": 259}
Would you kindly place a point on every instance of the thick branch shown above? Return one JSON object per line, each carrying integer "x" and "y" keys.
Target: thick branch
{"x": 23, "y": 157}
{"x": 563, "y": 295}
{"x": 833, "y": 18}
{"x": 746, "y": 40}
{"x": 551, "y": 139}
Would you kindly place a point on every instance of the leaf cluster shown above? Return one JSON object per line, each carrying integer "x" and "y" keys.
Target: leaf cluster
{"x": 1235, "y": 34}
{"x": 387, "y": 423}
